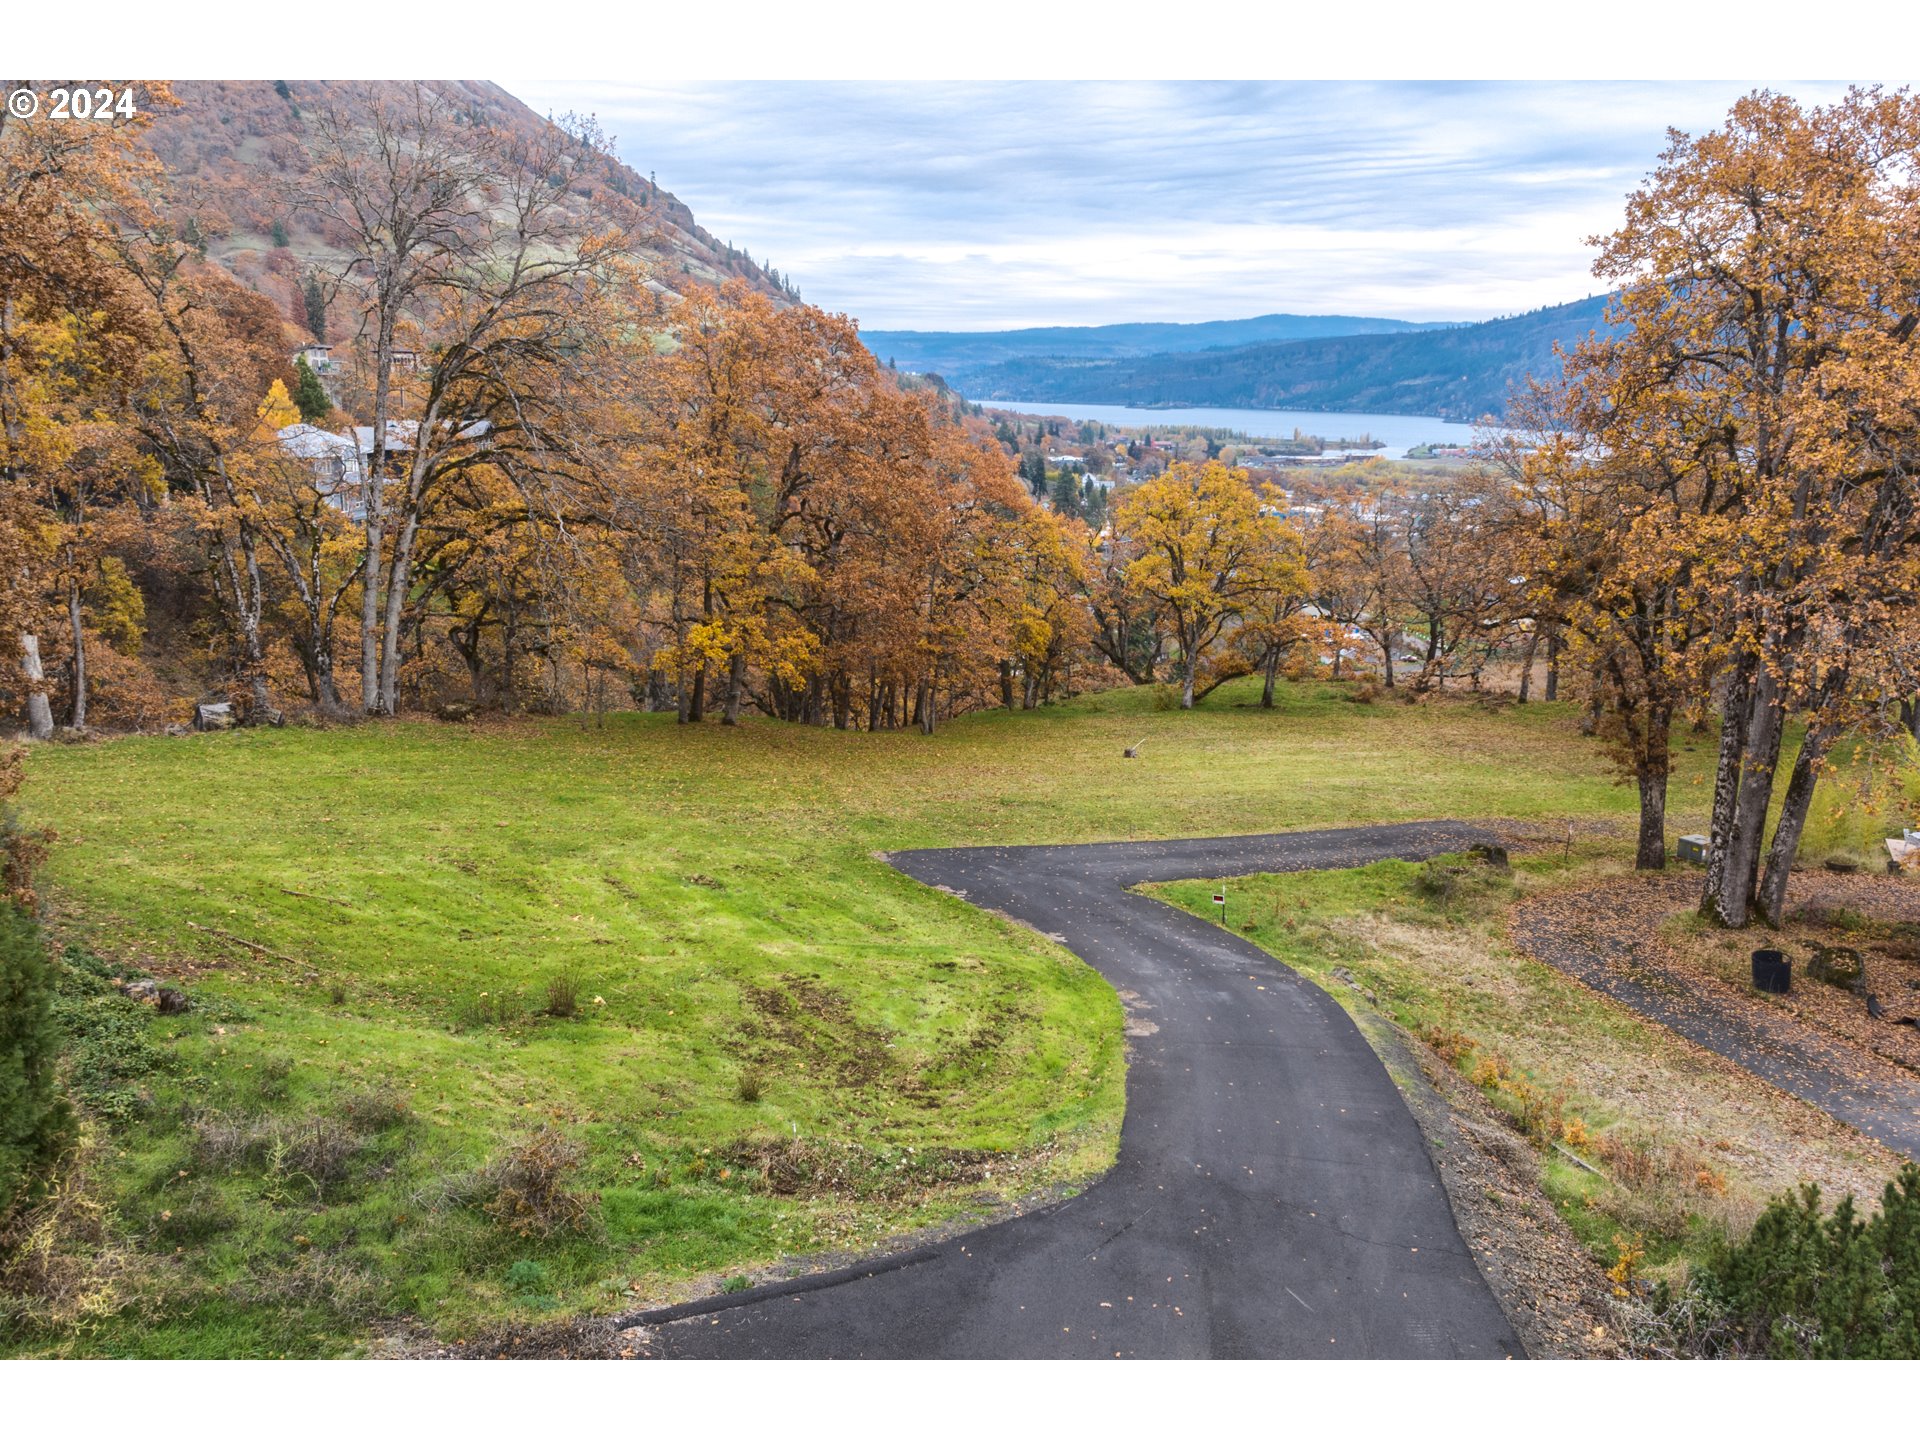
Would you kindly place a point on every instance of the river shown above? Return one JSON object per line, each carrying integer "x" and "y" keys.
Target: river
{"x": 1398, "y": 433}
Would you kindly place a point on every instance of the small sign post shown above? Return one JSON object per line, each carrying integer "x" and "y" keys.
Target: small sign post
{"x": 1220, "y": 899}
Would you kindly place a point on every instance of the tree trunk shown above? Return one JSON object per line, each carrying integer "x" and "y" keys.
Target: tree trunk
{"x": 1731, "y": 904}
{"x": 39, "y": 712}
{"x": 373, "y": 484}
{"x": 697, "y": 703}
{"x": 1273, "y": 669}
{"x": 1726, "y": 779}
{"x": 1596, "y": 702}
{"x": 399, "y": 576}
{"x": 1006, "y": 684}
{"x": 1792, "y": 824}
{"x": 1553, "y": 668}
{"x": 1526, "y": 664}
{"x": 1651, "y": 853}
{"x": 76, "y": 623}
{"x": 736, "y": 683}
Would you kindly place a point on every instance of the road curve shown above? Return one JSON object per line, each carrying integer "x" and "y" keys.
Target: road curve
{"x": 1272, "y": 1198}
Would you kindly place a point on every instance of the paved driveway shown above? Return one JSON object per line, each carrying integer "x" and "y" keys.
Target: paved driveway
{"x": 1272, "y": 1197}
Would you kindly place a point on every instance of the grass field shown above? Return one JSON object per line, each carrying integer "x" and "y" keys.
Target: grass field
{"x": 371, "y": 919}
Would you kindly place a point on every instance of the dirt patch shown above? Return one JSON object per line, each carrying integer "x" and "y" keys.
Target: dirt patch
{"x": 1137, "y": 1024}
{"x": 796, "y": 1019}
{"x": 791, "y": 1166}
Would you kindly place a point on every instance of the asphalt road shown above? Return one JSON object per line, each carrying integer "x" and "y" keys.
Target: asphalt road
{"x": 1273, "y": 1196}
{"x": 1875, "y": 1099}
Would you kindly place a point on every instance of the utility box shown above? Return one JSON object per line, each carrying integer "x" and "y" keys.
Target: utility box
{"x": 1692, "y": 849}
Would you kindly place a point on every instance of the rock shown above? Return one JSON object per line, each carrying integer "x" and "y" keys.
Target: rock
{"x": 275, "y": 718}
{"x": 214, "y": 717}
{"x": 1840, "y": 966}
{"x": 170, "y": 1001}
{"x": 1840, "y": 865}
{"x": 178, "y": 730}
{"x": 1494, "y": 855}
{"x": 142, "y": 989}
{"x": 456, "y": 711}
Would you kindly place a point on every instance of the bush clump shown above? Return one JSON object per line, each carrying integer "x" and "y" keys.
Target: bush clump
{"x": 1806, "y": 1285}
{"x": 530, "y": 1188}
{"x": 563, "y": 996}
{"x": 35, "y": 1118}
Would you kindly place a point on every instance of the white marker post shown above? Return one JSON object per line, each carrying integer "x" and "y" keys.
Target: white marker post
{"x": 1221, "y": 900}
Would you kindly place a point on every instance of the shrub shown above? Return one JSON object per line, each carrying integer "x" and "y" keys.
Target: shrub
{"x": 1451, "y": 1044}
{"x": 487, "y": 1009}
{"x": 1438, "y": 880}
{"x": 63, "y": 1261}
{"x": 751, "y": 1087}
{"x": 293, "y": 1157}
{"x": 1807, "y": 1285}
{"x": 563, "y": 996}
{"x": 529, "y": 1187}
{"x": 35, "y": 1119}
{"x": 111, "y": 1051}
{"x": 271, "y": 1074}
{"x": 369, "y": 1111}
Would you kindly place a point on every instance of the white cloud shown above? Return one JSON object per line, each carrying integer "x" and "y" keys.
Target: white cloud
{"x": 988, "y": 205}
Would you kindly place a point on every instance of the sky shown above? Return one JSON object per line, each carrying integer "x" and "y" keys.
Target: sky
{"x": 988, "y": 206}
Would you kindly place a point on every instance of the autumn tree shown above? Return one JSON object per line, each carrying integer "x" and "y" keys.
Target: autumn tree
{"x": 1763, "y": 360}
{"x": 467, "y": 245}
{"x": 71, "y": 330}
{"x": 1207, "y": 548}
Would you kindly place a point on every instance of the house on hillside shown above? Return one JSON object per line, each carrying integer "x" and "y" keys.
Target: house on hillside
{"x": 336, "y": 464}
{"x": 319, "y": 357}
{"x": 341, "y": 462}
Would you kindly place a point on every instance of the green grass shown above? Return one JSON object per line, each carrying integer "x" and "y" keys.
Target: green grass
{"x": 1866, "y": 794}
{"x": 412, "y": 888}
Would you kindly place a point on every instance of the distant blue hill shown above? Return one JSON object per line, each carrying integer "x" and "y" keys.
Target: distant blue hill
{"x": 1457, "y": 372}
{"x": 952, "y": 353}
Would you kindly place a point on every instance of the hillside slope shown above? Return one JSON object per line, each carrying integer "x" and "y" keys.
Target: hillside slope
{"x": 1460, "y": 373}
{"x": 957, "y": 354}
{"x": 231, "y": 145}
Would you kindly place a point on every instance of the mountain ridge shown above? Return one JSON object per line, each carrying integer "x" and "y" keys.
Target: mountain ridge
{"x": 953, "y": 352}
{"x": 230, "y": 145}
{"x": 1462, "y": 372}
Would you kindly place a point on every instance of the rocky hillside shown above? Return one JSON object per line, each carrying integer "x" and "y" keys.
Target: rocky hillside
{"x": 231, "y": 144}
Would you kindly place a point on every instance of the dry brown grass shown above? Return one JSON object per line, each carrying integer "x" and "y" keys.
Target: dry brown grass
{"x": 1654, "y": 1111}
{"x": 64, "y": 1267}
{"x": 531, "y": 1189}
